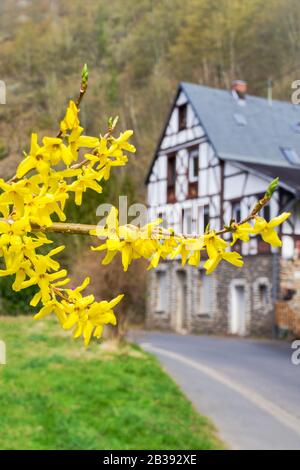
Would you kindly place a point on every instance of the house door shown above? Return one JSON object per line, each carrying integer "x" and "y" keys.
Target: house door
{"x": 180, "y": 309}
{"x": 238, "y": 310}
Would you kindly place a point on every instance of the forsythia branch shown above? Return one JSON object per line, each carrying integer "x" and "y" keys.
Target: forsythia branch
{"x": 86, "y": 229}
{"x": 46, "y": 178}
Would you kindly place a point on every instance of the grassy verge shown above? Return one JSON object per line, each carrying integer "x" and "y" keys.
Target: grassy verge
{"x": 55, "y": 394}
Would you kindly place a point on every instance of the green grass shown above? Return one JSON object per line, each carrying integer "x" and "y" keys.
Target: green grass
{"x": 55, "y": 394}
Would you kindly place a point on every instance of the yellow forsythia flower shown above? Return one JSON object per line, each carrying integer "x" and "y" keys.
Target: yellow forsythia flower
{"x": 267, "y": 229}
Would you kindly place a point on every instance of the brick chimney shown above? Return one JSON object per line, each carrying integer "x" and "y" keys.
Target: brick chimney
{"x": 239, "y": 89}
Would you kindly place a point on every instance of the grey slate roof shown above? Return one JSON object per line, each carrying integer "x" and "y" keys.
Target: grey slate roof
{"x": 268, "y": 127}
{"x": 257, "y": 144}
{"x": 289, "y": 177}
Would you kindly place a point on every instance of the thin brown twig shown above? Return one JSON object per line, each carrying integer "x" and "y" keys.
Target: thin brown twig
{"x": 82, "y": 92}
{"x": 63, "y": 227}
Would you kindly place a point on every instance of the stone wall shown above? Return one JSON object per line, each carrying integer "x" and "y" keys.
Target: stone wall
{"x": 212, "y": 315}
{"x": 257, "y": 271}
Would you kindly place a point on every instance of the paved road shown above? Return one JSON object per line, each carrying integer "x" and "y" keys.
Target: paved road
{"x": 249, "y": 388}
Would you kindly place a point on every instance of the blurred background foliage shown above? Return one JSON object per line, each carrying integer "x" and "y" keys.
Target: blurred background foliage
{"x": 13, "y": 303}
{"x": 137, "y": 52}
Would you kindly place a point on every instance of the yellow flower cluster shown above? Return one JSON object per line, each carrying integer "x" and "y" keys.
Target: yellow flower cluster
{"x": 153, "y": 243}
{"x": 44, "y": 180}
{"x": 72, "y": 163}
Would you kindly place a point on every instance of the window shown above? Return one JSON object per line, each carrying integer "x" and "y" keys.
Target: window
{"x": 171, "y": 179}
{"x": 162, "y": 215}
{"x": 266, "y": 212}
{"x": 171, "y": 170}
{"x": 187, "y": 225}
{"x": 202, "y": 218}
{"x": 263, "y": 294}
{"x": 205, "y": 216}
{"x": 291, "y": 155}
{"x": 182, "y": 114}
{"x": 236, "y": 211}
{"x": 161, "y": 278}
{"x": 193, "y": 164}
{"x": 205, "y": 301}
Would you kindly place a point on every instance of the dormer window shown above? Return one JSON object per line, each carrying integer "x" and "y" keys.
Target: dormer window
{"x": 182, "y": 115}
{"x": 291, "y": 155}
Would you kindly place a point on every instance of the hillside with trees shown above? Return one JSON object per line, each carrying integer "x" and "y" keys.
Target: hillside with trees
{"x": 137, "y": 52}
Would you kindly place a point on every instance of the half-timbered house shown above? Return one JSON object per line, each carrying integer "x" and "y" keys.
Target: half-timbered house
{"x": 217, "y": 153}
